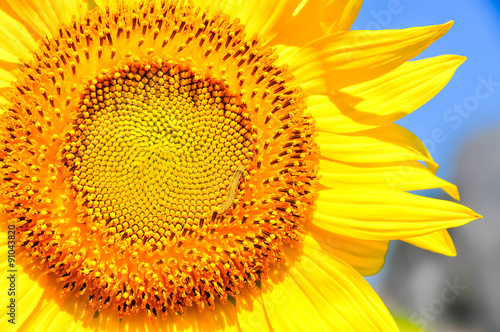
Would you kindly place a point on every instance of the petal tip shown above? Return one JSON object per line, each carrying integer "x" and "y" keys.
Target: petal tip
{"x": 449, "y": 24}
{"x": 445, "y": 27}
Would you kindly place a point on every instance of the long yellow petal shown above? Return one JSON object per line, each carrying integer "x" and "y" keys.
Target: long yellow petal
{"x": 400, "y": 92}
{"x": 223, "y": 318}
{"x": 259, "y": 17}
{"x": 28, "y": 292}
{"x": 365, "y": 256}
{"x": 342, "y": 14}
{"x": 38, "y": 15}
{"x": 321, "y": 293}
{"x": 290, "y": 22}
{"x": 307, "y": 66}
{"x": 330, "y": 118}
{"x": 251, "y": 313}
{"x": 15, "y": 40}
{"x": 307, "y": 20}
{"x": 359, "y": 56}
{"x": 383, "y": 144}
{"x": 44, "y": 319}
{"x": 6, "y": 78}
{"x": 406, "y": 175}
{"x": 385, "y": 99}
{"x": 339, "y": 60}
{"x": 3, "y": 103}
{"x": 72, "y": 315}
{"x": 378, "y": 214}
{"x": 439, "y": 242}
{"x": 101, "y": 3}
{"x": 113, "y": 4}
{"x": 28, "y": 295}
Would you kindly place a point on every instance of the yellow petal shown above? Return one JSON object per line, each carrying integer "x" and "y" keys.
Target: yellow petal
{"x": 339, "y": 60}
{"x": 113, "y": 4}
{"x": 223, "y": 318}
{"x": 3, "y": 102}
{"x": 439, "y": 242}
{"x": 70, "y": 314}
{"x": 383, "y": 144}
{"x": 406, "y": 175}
{"x": 101, "y": 3}
{"x": 259, "y": 17}
{"x": 49, "y": 318}
{"x": 28, "y": 296}
{"x": 341, "y": 14}
{"x": 330, "y": 118}
{"x": 365, "y": 256}
{"x": 290, "y": 22}
{"x": 307, "y": 20}
{"x": 251, "y": 313}
{"x": 359, "y": 56}
{"x": 306, "y": 64}
{"x": 378, "y": 214}
{"x": 44, "y": 16}
{"x": 6, "y": 78}
{"x": 28, "y": 291}
{"x": 15, "y": 40}
{"x": 383, "y": 100}
{"x": 321, "y": 293}
{"x": 400, "y": 92}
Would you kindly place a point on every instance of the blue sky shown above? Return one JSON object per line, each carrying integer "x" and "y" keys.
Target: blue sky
{"x": 470, "y": 103}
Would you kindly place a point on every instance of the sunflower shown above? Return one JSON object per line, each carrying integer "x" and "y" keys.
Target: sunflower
{"x": 210, "y": 165}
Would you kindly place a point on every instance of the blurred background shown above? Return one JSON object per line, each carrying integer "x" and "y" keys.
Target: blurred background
{"x": 461, "y": 128}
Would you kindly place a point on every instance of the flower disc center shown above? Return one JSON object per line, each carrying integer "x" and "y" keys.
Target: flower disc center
{"x": 157, "y": 147}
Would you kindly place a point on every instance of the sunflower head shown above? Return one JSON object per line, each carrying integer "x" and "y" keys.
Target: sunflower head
{"x": 212, "y": 169}
{"x": 168, "y": 177}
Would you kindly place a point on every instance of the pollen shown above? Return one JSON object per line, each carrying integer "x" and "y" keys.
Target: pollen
{"x": 156, "y": 158}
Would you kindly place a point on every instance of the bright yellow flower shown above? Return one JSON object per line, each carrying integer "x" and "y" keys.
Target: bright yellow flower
{"x": 169, "y": 166}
